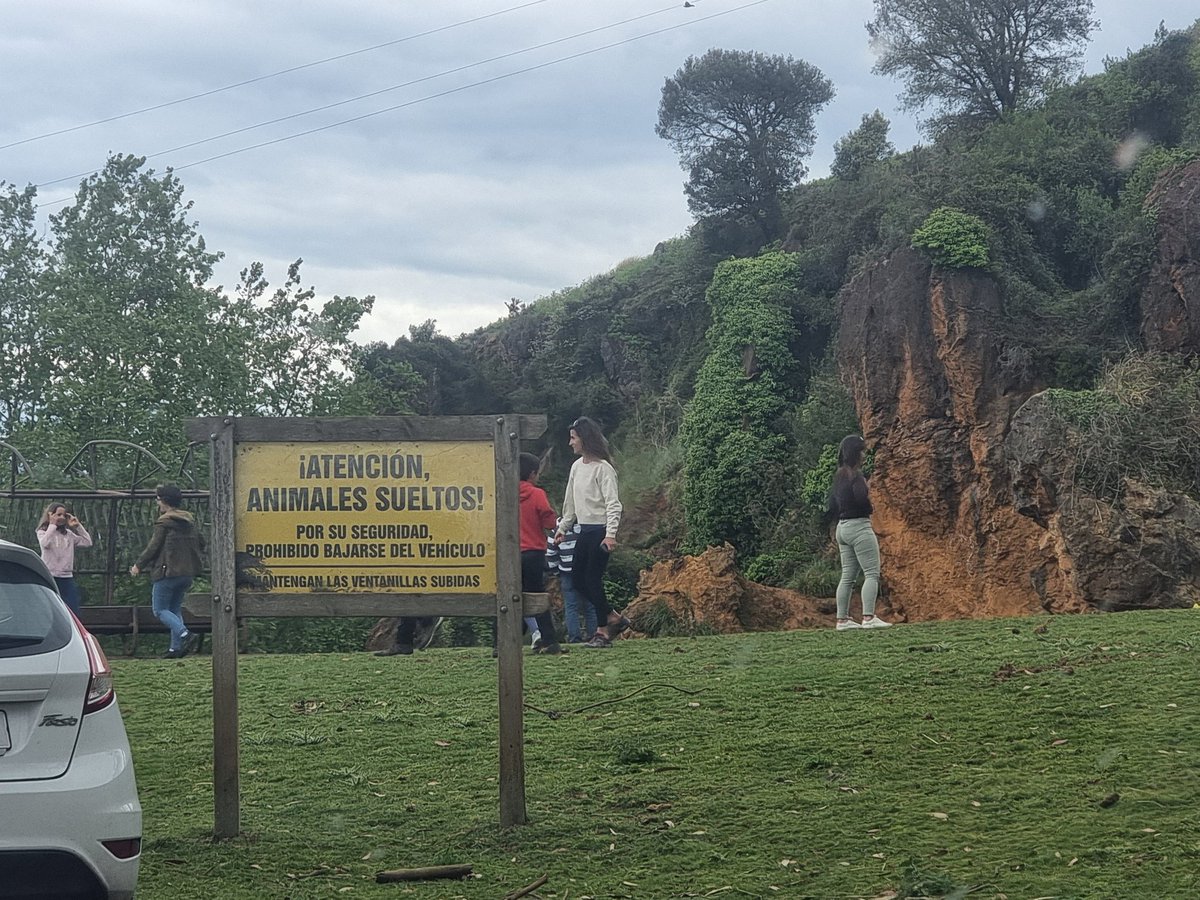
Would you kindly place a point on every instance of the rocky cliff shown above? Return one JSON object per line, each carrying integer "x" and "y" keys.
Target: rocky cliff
{"x": 936, "y": 385}
{"x": 1135, "y": 547}
{"x": 1171, "y": 300}
{"x": 976, "y": 506}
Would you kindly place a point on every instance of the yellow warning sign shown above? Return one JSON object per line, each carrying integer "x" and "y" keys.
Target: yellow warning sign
{"x": 414, "y": 517}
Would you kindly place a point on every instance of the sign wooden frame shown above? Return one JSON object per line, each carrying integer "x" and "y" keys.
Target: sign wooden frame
{"x": 231, "y": 603}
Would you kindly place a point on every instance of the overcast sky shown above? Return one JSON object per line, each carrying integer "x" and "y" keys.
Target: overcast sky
{"x": 487, "y": 183}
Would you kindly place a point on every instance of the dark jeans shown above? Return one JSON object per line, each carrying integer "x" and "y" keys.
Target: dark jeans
{"x": 591, "y": 559}
{"x": 533, "y": 581}
{"x": 406, "y": 628}
{"x": 69, "y": 591}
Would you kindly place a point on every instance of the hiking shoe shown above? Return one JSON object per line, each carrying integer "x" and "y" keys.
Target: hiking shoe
{"x": 552, "y": 650}
{"x": 848, "y": 624}
{"x": 396, "y": 650}
{"x": 875, "y": 622}
{"x": 176, "y": 653}
{"x": 599, "y": 639}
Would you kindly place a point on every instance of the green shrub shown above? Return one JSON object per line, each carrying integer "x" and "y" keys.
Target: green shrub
{"x": 657, "y": 620}
{"x": 953, "y": 239}
{"x": 810, "y": 571}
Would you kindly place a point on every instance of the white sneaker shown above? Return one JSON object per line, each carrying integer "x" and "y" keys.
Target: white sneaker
{"x": 535, "y": 639}
{"x": 875, "y": 622}
{"x": 848, "y": 624}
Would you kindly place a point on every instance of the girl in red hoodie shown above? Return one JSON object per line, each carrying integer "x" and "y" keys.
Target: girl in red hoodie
{"x": 537, "y": 518}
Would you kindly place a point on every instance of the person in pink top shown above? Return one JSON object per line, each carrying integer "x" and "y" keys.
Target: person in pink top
{"x": 59, "y": 532}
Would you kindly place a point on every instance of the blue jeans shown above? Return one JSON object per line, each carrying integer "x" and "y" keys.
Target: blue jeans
{"x": 574, "y": 607}
{"x": 69, "y": 591}
{"x": 166, "y": 599}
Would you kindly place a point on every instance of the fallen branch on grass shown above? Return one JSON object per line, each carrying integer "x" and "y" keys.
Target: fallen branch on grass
{"x": 423, "y": 874}
{"x": 528, "y": 889}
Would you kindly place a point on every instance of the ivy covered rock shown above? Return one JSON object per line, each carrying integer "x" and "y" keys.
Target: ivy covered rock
{"x": 1121, "y": 542}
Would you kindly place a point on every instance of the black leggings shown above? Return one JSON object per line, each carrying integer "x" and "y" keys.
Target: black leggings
{"x": 591, "y": 559}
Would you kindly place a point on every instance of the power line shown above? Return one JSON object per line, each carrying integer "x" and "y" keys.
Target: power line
{"x": 446, "y": 93}
{"x": 396, "y": 87}
{"x": 255, "y": 80}
{"x": 464, "y": 87}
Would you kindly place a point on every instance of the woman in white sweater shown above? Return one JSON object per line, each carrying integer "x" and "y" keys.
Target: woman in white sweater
{"x": 592, "y": 501}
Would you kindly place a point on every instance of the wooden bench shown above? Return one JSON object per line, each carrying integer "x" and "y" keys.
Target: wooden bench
{"x": 132, "y": 621}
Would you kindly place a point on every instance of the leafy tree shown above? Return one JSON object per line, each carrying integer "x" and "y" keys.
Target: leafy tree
{"x": 742, "y": 124}
{"x": 135, "y": 339}
{"x": 299, "y": 360}
{"x": 862, "y": 147}
{"x": 24, "y": 368}
{"x": 978, "y": 58}
{"x": 438, "y": 376}
{"x": 127, "y": 312}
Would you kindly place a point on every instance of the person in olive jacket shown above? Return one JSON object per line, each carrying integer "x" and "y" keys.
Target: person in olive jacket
{"x": 172, "y": 559}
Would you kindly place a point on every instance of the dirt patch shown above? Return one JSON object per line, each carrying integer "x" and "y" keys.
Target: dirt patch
{"x": 707, "y": 592}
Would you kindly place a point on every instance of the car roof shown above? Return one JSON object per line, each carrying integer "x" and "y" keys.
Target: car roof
{"x": 23, "y": 556}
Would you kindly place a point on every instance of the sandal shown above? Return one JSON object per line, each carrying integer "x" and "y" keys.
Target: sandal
{"x": 599, "y": 639}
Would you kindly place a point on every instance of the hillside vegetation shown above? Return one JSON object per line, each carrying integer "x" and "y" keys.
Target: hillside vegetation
{"x": 1049, "y": 199}
{"x": 708, "y": 361}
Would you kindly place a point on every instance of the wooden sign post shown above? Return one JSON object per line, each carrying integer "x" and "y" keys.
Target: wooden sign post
{"x": 389, "y": 516}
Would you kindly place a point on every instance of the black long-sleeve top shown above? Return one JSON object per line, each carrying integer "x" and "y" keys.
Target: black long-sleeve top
{"x": 849, "y": 498}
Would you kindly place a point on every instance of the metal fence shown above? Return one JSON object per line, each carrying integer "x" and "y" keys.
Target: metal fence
{"x": 120, "y": 520}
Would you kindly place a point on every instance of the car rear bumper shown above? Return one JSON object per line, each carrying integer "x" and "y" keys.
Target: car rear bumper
{"x": 95, "y": 800}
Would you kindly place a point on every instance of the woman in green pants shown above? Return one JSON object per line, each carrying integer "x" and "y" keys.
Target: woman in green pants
{"x": 850, "y": 504}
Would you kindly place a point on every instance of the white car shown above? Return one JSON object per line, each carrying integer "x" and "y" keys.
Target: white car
{"x": 70, "y": 821}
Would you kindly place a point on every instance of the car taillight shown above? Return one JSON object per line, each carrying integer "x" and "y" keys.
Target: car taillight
{"x": 126, "y": 848}
{"x": 100, "y": 685}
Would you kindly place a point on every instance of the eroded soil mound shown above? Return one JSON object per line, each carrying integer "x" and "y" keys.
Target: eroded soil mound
{"x": 706, "y": 591}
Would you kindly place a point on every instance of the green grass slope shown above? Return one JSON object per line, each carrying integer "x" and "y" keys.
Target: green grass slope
{"x": 1013, "y": 758}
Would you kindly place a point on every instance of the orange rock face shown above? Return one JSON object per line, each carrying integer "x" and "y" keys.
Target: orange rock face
{"x": 935, "y": 386}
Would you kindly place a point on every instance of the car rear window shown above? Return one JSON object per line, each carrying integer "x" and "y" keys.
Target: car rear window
{"x": 33, "y": 618}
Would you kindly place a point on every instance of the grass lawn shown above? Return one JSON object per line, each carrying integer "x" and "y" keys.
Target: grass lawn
{"x": 1019, "y": 758}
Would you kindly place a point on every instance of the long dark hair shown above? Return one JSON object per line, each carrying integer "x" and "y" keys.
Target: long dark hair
{"x": 850, "y": 457}
{"x": 850, "y": 452}
{"x": 594, "y": 443}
